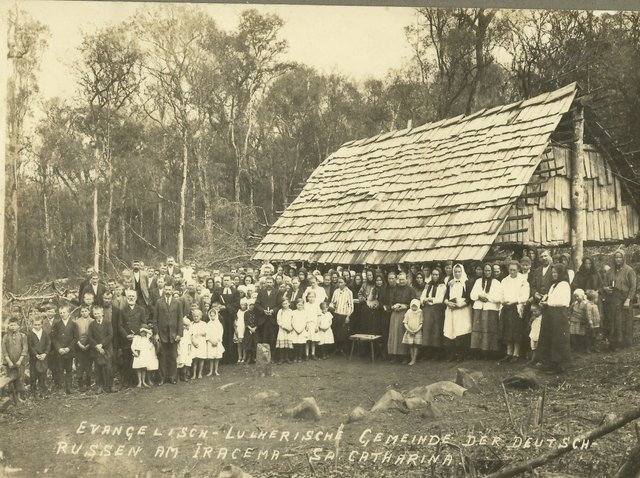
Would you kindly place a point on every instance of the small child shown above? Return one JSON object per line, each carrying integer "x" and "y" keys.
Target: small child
{"x": 578, "y": 321}
{"x": 413, "y": 329}
{"x": 84, "y": 359}
{"x": 215, "y": 349}
{"x": 153, "y": 366}
{"x": 312, "y": 311}
{"x": 593, "y": 321}
{"x": 199, "y": 342}
{"x": 534, "y": 334}
{"x": 185, "y": 358}
{"x": 284, "y": 342}
{"x": 249, "y": 342}
{"x": 239, "y": 328}
{"x": 39, "y": 345}
{"x": 15, "y": 350}
{"x": 143, "y": 351}
{"x": 299, "y": 330}
{"x": 325, "y": 333}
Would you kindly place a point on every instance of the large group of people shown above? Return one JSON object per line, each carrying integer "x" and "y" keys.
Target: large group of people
{"x": 171, "y": 323}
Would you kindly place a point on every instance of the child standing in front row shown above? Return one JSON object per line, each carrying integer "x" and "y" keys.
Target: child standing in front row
{"x": 593, "y": 321}
{"x": 142, "y": 350}
{"x": 413, "y": 329}
{"x": 239, "y": 329}
{"x": 15, "y": 350}
{"x": 313, "y": 312}
{"x": 536, "y": 320}
{"x": 185, "y": 357}
{"x": 215, "y": 349}
{"x": 299, "y": 332}
{"x": 249, "y": 342}
{"x": 325, "y": 333}
{"x": 198, "y": 340}
{"x": 284, "y": 342}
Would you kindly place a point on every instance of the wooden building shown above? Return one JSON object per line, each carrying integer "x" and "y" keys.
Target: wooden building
{"x": 452, "y": 189}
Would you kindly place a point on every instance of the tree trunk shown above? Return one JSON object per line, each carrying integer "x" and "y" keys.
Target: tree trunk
{"x": 578, "y": 220}
{"x": 96, "y": 232}
{"x": 11, "y": 211}
{"x": 183, "y": 193}
{"x": 47, "y": 229}
{"x": 106, "y": 238}
{"x": 123, "y": 229}
{"x": 160, "y": 224}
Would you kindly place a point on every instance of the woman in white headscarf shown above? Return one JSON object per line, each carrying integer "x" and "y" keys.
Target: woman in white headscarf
{"x": 457, "y": 316}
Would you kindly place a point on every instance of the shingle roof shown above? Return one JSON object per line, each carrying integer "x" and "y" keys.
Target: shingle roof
{"x": 436, "y": 192}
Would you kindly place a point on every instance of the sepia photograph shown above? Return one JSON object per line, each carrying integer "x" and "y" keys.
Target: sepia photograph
{"x": 319, "y": 241}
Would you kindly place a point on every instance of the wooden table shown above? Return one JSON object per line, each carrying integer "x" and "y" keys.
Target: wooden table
{"x": 364, "y": 338}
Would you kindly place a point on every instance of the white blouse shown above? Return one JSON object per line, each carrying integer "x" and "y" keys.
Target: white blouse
{"x": 494, "y": 295}
{"x": 515, "y": 290}
{"x": 559, "y": 295}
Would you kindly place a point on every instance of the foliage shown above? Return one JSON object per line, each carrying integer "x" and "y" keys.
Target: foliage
{"x": 194, "y": 138}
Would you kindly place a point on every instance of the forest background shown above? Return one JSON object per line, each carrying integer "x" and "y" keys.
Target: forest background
{"x": 186, "y": 139}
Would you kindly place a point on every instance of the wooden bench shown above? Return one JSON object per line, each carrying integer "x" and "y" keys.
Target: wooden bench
{"x": 364, "y": 338}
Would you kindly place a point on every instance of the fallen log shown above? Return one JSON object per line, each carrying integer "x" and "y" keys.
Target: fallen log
{"x": 528, "y": 465}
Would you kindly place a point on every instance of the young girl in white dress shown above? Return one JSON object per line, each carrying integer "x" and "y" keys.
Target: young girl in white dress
{"x": 199, "y": 342}
{"x": 215, "y": 349}
{"x": 142, "y": 350}
{"x": 413, "y": 329}
{"x": 185, "y": 357}
{"x": 299, "y": 332}
{"x": 325, "y": 334}
{"x": 312, "y": 311}
{"x": 238, "y": 329}
{"x": 284, "y": 342}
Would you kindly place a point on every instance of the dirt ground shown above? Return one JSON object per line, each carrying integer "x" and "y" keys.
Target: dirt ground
{"x": 194, "y": 429}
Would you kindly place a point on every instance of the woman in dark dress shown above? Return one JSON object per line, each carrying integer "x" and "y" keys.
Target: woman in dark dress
{"x": 587, "y": 277}
{"x": 432, "y": 300}
{"x": 368, "y": 314}
{"x": 355, "y": 325}
{"x": 554, "y": 349}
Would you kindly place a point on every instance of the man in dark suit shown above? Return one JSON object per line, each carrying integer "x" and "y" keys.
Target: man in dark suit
{"x": 167, "y": 325}
{"x": 540, "y": 279}
{"x": 39, "y": 345}
{"x": 140, "y": 283}
{"x": 130, "y": 318}
{"x": 157, "y": 292}
{"x": 100, "y": 340}
{"x": 64, "y": 337}
{"x": 229, "y": 298}
{"x": 267, "y": 304}
{"x": 96, "y": 288}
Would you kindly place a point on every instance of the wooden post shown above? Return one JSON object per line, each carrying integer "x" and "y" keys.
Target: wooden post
{"x": 578, "y": 219}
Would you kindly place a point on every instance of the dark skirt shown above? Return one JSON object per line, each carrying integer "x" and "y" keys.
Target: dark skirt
{"x": 512, "y": 326}
{"x": 554, "y": 341}
{"x": 484, "y": 330}
{"x": 372, "y": 321}
{"x": 340, "y": 328}
{"x": 619, "y": 321}
{"x": 249, "y": 341}
{"x": 356, "y": 319}
{"x": 396, "y": 333}
{"x": 433, "y": 325}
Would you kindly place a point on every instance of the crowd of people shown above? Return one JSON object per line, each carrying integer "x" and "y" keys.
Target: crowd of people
{"x": 169, "y": 324}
